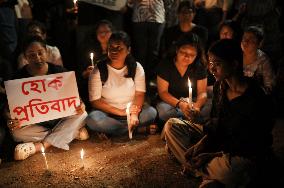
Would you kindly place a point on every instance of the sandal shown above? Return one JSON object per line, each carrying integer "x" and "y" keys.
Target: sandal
{"x": 23, "y": 151}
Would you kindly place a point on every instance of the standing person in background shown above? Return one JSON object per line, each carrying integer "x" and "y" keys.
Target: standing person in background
{"x": 256, "y": 63}
{"x": 8, "y": 31}
{"x": 148, "y": 24}
{"x": 172, "y": 80}
{"x": 185, "y": 12}
{"x": 116, "y": 82}
{"x": 36, "y": 28}
{"x": 211, "y": 14}
{"x": 90, "y": 12}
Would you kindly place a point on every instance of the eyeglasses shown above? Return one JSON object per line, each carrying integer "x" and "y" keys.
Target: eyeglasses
{"x": 185, "y": 54}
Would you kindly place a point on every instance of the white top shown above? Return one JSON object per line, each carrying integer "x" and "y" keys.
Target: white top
{"x": 117, "y": 91}
{"x": 261, "y": 69}
{"x": 53, "y": 56}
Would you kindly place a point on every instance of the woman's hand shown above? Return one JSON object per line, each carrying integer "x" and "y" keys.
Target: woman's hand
{"x": 81, "y": 108}
{"x": 135, "y": 109}
{"x": 88, "y": 71}
{"x": 184, "y": 107}
{"x": 13, "y": 124}
{"x": 134, "y": 120}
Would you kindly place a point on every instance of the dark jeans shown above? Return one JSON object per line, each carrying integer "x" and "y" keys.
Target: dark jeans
{"x": 146, "y": 45}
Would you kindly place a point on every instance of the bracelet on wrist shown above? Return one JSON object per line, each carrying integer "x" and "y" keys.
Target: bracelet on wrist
{"x": 177, "y": 104}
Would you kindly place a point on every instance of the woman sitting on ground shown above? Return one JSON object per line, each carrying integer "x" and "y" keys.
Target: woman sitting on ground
{"x": 58, "y": 133}
{"x": 173, "y": 76}
{"x": 256, "y": 63}
{"x": 116, "y": 82}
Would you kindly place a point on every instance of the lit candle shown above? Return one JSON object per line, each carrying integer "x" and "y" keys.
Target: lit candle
{"x": 189, "y": 94}
{"x": 43, "y": 153}
{"x": 128, "y": 119}
{"x": 75, "y": 2}
{"x": 92, "y": 58}
{"x": 82, "y": 157}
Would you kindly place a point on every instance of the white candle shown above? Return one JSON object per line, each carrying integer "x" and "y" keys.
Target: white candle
{"x": 92, "y": 58}
{"x": 128, "y": 119}
{"x": 43, "y": 153}
{"x": 82, "y": 157}
{"x": 189, "y": 94}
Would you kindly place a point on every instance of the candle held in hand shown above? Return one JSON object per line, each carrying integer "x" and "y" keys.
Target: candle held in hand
{"x": 92, "y": 58}
{"x": 128, "y": 119}
{"x": 189, "y": 94}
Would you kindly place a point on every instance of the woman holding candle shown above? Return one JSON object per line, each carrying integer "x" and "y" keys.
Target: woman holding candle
{"x": 116, "y": 82}
{"x": 233, "y": 147}
{"x": 98, "y": 50}
{"x": 175, "y": 77}
{"x": 59, "y": 132}
{"x": 94, "y": 51}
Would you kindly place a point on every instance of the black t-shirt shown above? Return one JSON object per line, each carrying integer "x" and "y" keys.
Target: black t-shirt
{"x": 172, "y": 34}
{"x": 178, "y": 85}
{"x": 244, "y": 123}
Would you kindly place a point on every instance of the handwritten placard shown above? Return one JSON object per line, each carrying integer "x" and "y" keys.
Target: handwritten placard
{"x": 42, "y": 98}
{"x": 108, "y": 4}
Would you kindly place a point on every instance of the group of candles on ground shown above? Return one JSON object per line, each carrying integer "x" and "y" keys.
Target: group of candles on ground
{"x": 82, "y": 153}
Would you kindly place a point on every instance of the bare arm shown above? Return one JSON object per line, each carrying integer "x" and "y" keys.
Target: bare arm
{"x": 163, "y": 92}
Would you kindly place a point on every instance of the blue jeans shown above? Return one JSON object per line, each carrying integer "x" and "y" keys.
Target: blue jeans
{"x": 101, "y": 122}
{"x": 167, "y": 111}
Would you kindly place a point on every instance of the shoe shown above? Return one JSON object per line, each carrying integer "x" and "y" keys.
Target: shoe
{"x": 23, "y": 151}
{"x": 83, "y": 134}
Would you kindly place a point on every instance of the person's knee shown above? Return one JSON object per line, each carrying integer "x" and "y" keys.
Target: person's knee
{"x": 168, "y": 125}
{"x": 18, "y": 135}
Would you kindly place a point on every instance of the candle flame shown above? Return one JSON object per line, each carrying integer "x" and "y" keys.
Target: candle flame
{"x": 82, "y": 154}
{"x": 189, "y": 83}
{"x": 74, "y": 1}
{"x": 92, "y": 55}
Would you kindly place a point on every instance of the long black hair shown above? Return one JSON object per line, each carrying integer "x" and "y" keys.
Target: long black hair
{"x": 119, "y": 36}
